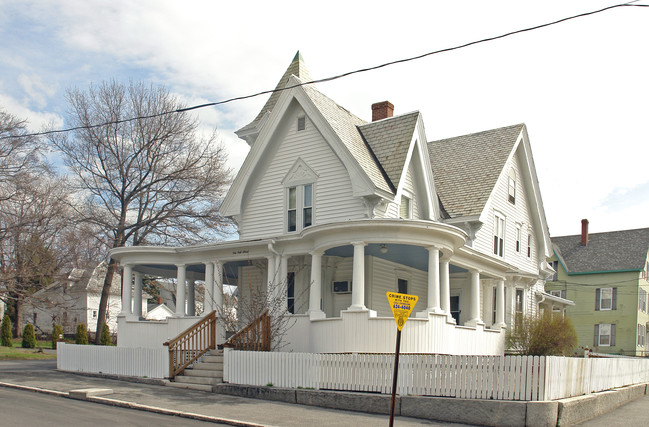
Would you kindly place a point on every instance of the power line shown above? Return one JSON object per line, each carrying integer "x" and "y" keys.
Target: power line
{"x": 328, "y": 79}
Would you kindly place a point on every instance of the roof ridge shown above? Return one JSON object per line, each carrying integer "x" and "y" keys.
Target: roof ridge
{"x": 603, "y": 232}
{"x": 477, "y": 133}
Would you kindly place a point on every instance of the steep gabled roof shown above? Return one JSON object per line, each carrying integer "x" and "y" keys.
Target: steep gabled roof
{"x": 467, "y": 167}
{"x": 296, "y": 68}
{"x": 346, "y": 126}
{"x": 390, "y": 139}
{"x": 605, "y": 252}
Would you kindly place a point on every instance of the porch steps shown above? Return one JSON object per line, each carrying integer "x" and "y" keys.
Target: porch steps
{"x": 203, "y": 375}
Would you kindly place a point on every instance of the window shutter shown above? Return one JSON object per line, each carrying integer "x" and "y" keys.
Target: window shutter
{"x": 614, "y": 303}
{"x": 596, "y": 338}
{"x": 597, "y": 297}
{"x": 612, "y": 334}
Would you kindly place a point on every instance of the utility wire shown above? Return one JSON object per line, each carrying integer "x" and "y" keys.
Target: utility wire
{"x": 328, "y": 79}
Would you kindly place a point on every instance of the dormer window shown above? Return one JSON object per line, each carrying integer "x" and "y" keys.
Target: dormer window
{"x": 512, "y": 186}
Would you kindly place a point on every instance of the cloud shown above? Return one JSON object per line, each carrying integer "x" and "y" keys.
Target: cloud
{"x": 36, "y": 120}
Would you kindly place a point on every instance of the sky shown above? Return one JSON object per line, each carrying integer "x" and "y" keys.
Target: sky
{"x": 580, "y": 86}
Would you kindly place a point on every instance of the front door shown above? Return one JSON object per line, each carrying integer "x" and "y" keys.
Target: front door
{"x": 455, "y": 308}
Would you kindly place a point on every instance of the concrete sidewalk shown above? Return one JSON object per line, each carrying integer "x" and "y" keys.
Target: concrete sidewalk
{"x": 213, "y": 407}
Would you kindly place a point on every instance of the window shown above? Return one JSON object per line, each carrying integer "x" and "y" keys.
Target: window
{"x": 605, "y": 299}
{"x": 94, "y": 314}
{"x": 555, "y": 267}
{"x": 604, "y": 335}
{"x": 290, "y": 292}
{"x": 499, "y": 234}
{"x": 518, "y": 238}
{"x": 529, "y": 245}
{"x": 642, "y": 300}
{"x": 301, "y": 123}
{"x": 519, "y": 307}
{"x": 493, "y": 305}
{"x": 512, "y": 186}
{"x": 402, "y": 286}
{"x": 561, "y": 293}
{"x": 405, "y": 208}
{"x": 301, "y": 215}
{"x": 642, "y": 332}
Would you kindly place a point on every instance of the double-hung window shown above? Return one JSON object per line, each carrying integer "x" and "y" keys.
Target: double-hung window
{"x": 529, "y": 245}
{"x": 642, "y": 332}
{"x": 604, "y": 335}
{"x": 511, "y": 188}
{"x": 518, "y": 238}
{"x": 405, "y": 208}
{"x": 605, "y": 299}
{"x": 299, "y": 207}
{"x": 642, "y": 300}
{"x": 499, "y": 235}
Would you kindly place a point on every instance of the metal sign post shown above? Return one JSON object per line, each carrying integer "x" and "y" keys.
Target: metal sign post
{"x": 401, "y": 305}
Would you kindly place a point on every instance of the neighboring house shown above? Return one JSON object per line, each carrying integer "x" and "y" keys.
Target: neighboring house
{"x": 159, "y": 312}
{"x": 605, "y": 274}
{"x": 333, "y": 212}
{"x": 73, "y": 301}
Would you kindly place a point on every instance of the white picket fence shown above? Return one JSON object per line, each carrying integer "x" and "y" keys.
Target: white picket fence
{"x": 526, "y": 378}
{"x": 139, "y": 362}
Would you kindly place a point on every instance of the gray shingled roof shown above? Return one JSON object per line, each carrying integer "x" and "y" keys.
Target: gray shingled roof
{"x": 296, "y": 68}
{"x": 345, "y": 124}
{"x": 612, "y": 251}
{"x": 466, "y": 168}
{"x": 390, "y": 139}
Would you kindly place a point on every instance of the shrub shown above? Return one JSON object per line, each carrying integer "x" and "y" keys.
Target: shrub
{"x": 5, "y": 334}
{"x": 542, "y": 336}
{"x": 57, "y": 330}
{"x": 29, "y": 338}
{"x": 105, "y": 338}
{"x": 81, "y": 337}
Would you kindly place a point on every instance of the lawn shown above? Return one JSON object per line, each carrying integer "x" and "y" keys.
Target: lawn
{"x": 17, "y": 352}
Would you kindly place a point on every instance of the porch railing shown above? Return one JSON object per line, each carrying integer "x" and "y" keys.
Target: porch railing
{"x": 194, "y": 342}
{"x": 254, "y": 337}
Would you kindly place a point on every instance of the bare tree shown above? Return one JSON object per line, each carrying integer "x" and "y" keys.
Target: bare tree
{"x": 32, "y": 221}
{"x": 146, "y": 181}
{"x": 18, "y": 151}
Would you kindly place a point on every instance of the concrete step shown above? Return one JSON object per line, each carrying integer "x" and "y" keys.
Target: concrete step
{"x": 211, "y": 358}
{"x": 216, "y": 352}
{"x": 209, "y": 366}
{"x": 201, "y": 387}
{"x": 203, "y": 373}
{"x": 197, "y": 380}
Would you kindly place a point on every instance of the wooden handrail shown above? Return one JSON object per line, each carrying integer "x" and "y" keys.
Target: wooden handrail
{"x": 191, "y": 344}
{"x": 254, "y": 337}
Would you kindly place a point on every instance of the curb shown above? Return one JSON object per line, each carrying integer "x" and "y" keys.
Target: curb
{"x": 137, "y": 406}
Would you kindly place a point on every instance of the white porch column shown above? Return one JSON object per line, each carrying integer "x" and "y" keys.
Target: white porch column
{"x": 358, "y": 277}
{"x": 271, "y": 286}
{"x": 315, "y": 290}
{"x": 217, "y": 289}
{"x": 191, "y": 297}
{"x": 181, "y": 281}
{"x": 500, "y": 304}
{"x": 137, "y": 295}
{"x": 433, "y": 280}
{"x": 474, "y": 306}
{"x": 208, "y": 300}
{"x": 445, "y": 283}
{"x": 127, "y": 281}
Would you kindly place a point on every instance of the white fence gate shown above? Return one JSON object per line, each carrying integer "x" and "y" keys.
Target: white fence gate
{"x": 527, "y": 378}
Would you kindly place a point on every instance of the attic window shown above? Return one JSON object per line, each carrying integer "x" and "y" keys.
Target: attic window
{"x": 301, "y": 123}
{"x": 512, "y": 186}
{"x": 404, "y": 208}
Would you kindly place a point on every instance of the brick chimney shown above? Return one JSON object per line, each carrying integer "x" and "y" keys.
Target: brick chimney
{"x": 584, "y": 232}
{"x": 382, "y": 110}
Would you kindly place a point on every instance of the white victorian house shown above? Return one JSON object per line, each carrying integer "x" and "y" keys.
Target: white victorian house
{"x": 333, "y": 212}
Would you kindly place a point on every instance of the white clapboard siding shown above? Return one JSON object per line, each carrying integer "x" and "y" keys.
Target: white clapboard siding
{"x": 126, "y": 361}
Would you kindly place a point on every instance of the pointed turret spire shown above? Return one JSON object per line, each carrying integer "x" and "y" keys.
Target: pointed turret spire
{"x": 296, "y": 68}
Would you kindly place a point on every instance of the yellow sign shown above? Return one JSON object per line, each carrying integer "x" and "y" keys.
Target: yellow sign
{"x": 401, "y": 305}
